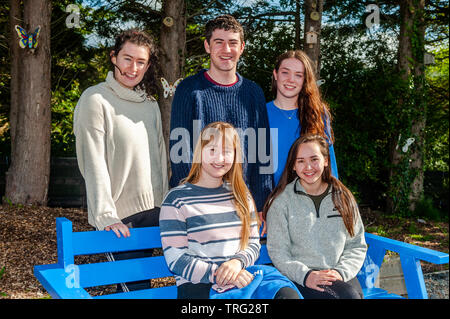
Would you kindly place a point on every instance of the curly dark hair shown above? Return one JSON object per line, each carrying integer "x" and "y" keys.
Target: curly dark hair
{"x": 140, "y": 38}
{"x": 225, "y": 22}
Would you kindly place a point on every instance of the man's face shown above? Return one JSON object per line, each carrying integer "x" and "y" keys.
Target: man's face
{"x": 225, "y": 49}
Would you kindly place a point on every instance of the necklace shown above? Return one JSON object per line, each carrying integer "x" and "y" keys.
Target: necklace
{"x": 291, "y": 114}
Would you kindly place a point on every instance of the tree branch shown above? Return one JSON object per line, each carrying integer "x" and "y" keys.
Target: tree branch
{"x": 199, "y": 12}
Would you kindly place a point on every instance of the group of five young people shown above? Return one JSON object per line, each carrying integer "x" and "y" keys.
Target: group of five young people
{"x": 210, "y": 217}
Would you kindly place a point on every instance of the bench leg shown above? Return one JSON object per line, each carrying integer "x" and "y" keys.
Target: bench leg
{"x": 412, "y": 271}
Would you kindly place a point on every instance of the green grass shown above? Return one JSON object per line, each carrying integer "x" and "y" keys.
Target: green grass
{"x": 422, "y": 237}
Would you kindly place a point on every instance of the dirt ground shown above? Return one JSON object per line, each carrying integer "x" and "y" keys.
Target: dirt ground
{"x": 28, "y": 238}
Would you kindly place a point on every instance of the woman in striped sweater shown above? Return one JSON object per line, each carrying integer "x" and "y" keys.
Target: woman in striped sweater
{"x": 209, "y": 228}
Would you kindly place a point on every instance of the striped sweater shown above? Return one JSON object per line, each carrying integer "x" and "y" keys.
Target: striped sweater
{"x": 200, "y": 229}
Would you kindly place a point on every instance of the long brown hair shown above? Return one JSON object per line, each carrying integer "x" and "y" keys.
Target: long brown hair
{"x": 342, "y": 197}
{"x": 312, "y": 110}
{"x": 242, "y": 197}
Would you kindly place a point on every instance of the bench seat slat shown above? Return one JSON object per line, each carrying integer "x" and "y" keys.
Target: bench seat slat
{"x": 153, "y": 293}
{"x": 107, "y": 241}
{"x": 106, "y": 273}
{"x": 379, "y": 293}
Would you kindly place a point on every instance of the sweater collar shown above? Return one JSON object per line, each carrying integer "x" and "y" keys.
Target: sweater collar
{"x": 298, "y": 188}
{"x": 123, "y": 92}
{"x": 221, "y": 87}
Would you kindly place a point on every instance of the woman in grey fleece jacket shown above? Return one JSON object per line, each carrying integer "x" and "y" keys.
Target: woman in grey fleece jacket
{"x": 315, "y": 235}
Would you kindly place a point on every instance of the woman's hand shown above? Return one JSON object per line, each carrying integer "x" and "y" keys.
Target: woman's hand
{"x": 243, "y": 279}
{"x": 321, "y": 278}
{"x": 119, "y": 228}
{"x": 228, "y": 272}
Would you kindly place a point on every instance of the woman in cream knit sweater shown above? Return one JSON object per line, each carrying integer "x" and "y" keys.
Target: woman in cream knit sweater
{"x": 119, "y": 142}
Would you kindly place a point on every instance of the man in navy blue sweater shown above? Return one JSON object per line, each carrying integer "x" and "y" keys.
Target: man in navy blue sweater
{"x": 222, "y": 94}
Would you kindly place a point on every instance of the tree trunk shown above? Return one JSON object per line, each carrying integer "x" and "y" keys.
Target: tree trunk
{"x": 419, "y": 122}
{"x": 313, "y": 51}
{"x": 411, "y": 69}
{"x": 297, "y": 26}
{"x": 172, "y": 52}
{"x": 28, "y": 175}
{"x": 15, "y": 17}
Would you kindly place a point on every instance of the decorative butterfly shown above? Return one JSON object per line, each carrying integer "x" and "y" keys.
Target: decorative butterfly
{"x": 169, "y": 89}
{"x": 28, "y": 40}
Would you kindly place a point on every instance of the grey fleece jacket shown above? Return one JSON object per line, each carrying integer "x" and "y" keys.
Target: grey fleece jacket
{"x": 300, "y": 240}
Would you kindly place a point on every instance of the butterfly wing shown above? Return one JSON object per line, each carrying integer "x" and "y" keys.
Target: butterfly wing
{"x": 166, "y": 87}
{"x": 23, "y": 36}
{"x": 21, "y": 32}
{"x": 36, "y": 36}
{"x": 408, "y": 143}
{"x": 174, "y": 86}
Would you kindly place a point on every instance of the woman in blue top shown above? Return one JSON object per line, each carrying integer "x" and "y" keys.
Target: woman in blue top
{"x": 297, "y": 109}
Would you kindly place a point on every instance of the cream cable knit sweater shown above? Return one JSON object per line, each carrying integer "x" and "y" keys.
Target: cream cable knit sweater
{"x": 120, "y": 151}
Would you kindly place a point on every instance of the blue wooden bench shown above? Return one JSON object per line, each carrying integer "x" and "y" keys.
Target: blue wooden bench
{"x": 67, "y": 280}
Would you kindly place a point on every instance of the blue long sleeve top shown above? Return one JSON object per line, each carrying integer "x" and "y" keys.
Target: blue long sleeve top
{"x": 288, "y": 130}
{"x": 198, "y": 102}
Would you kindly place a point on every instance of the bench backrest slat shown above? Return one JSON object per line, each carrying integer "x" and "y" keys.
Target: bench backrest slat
{"x": 107, "y": 241}
{"x": 72, "y": 244}
{"x": 100, "y": 274}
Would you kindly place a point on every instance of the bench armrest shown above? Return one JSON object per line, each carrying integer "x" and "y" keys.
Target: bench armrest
{"x": 410, "y": 257}
{"x": 60, "y": 283}
{"x": 425, "y": 254}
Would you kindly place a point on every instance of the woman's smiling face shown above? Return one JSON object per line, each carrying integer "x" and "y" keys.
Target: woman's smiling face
{"x": 217, "y": 159}
{"x": 310, "y": 164}
{"x": 290, "y": 77}
{"x": 132, "y": 61}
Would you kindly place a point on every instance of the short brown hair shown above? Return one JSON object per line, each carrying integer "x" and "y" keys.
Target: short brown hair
{"x": 225, "y": 22}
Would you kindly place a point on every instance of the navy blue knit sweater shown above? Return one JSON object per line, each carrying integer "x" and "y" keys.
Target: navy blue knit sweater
{"x": 198, "y": 102}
